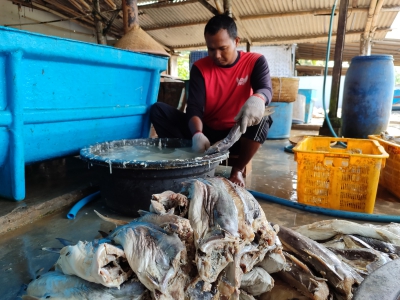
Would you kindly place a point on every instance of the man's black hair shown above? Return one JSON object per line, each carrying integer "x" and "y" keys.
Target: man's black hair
{"x": 219, "y": 22}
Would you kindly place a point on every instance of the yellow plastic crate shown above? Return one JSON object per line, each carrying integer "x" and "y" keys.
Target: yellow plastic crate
{"x": 390, "y": 175}
{"x": 339, "y": 178}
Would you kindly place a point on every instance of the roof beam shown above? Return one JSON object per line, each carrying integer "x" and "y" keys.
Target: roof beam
{"x": 168, "y": 3}
{"x": 286, "y": 40}
{"x": 315, "y": 12}
{"x": 81, "y": 22}
{"x": 207, "y": 5}
{"x": 265, "y": 16}
{"x": 240, "y": 24}
{"x": 308, "y": 38}
{"x": 219, "y": 6}
{"x": 175, "y": 25}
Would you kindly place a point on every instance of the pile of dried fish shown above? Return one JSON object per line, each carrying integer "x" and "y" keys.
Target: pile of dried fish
{"x": 213, "y": 241}
{"x": 210, "y": 241}
{"x": 387, "y": 137}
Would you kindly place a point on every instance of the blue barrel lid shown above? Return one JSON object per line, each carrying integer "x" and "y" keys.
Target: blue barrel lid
{"x": 372, "y": 57}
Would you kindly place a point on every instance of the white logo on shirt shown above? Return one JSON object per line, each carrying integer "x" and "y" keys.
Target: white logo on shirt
{"x": 242, "y": 81}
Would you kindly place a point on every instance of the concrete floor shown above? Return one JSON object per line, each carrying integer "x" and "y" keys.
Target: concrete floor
{"x": 67, "y": 180}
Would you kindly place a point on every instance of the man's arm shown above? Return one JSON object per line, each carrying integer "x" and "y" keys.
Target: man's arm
{"x": 195, "y": 110}
{"x": 196, "y": 100}
{"x": 260, "y": 79}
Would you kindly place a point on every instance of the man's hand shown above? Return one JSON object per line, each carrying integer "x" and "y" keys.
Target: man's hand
{"x": 251, "y": 112}
{"x": 200, "y": 142}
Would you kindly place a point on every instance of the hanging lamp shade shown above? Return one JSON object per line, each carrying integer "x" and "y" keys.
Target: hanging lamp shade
{"x": 138, "y": 40}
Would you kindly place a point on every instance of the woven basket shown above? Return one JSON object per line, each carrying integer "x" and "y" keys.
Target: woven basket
{"x": 284, "y": 89}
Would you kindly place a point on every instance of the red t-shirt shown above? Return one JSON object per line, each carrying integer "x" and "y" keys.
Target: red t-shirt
{"x": 227, "y": 89}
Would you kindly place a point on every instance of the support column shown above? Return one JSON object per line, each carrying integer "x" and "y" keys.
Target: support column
{"x": 173, "y": 65}
{"x": 337, "y": 72}
{"x": 248, "y": 47}
{"x": 101, "y": 39}
{"x": 130, "y": 14}
{"x": 228, "y": 7}
{"x": 365, "y": 45}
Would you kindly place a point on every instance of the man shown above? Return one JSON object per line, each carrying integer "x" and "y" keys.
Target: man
{"x": 226, "y": 87}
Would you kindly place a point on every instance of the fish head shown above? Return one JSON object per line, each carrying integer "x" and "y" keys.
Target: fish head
{"x": 101, "y": 263}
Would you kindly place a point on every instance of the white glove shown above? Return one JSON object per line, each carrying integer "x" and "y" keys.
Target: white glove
{"x": 200, "y": 142}
{"x": 251, "y": 113}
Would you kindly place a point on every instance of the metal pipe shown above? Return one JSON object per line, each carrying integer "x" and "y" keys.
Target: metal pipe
{"x": 130, "y": 13}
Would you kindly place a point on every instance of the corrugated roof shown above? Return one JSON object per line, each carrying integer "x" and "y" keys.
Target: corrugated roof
{"x": 318, "y": 51}
{"x": 179, "y": 24}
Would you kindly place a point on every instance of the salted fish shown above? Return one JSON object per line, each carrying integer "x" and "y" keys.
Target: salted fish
{"x": 169, "y": 202}
{"x": 339, "y": 275}
{"x": 326, "y": 229}
{"x": 346, "y": 241}
{"x": 381, "y": 246}
{"x": 282, "y": 291}
{"x": 56, "y": 285}
{"x": 364, "y": 261}
{"x": 96, "y": 262}
{"x": 170, "y": 223}
{"x": 257, "y": 282}
{"x": 245, "y": 296}
{"x": 152, "y": 254}
{"x": 198, "y": 289}
{"x": 298, "y": 275}
{"x": 213, "y": 217}
{"x": 392, "y": 227}
{"x": 246, "y": 214}
{"x": 274, "y": 261}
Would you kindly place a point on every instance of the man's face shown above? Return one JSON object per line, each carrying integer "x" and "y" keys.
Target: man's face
{"x": 221, "y": 47}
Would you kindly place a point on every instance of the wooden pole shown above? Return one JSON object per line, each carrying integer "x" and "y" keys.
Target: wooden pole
{"x": 248, "y": 47}
{"x": 370, "y": 26}
{"x": 101, "y": 39}
{"x": 219, "y": 6}
{"x": 338, "y": 58}
{"x": 228, "y": 7}
{"x": 130, "y": 12}
{"x": 337, "y": 67}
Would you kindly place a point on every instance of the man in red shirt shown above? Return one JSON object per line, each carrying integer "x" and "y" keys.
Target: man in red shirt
{"x": 226, "y": 87}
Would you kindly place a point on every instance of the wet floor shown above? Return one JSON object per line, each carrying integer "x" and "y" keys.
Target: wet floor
{"x": 22, "y": 259}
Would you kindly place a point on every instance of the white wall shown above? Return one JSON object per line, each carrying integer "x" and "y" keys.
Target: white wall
{"x": 9, "y": 14}
{"x": 316, "y": 82}
{"x": 280, "y": 59}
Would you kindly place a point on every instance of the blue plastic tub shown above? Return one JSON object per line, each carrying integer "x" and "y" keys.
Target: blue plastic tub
{"x": 282, "y": 120}
{"x": 58, "y": 95}
{"x": 310, "y": 95}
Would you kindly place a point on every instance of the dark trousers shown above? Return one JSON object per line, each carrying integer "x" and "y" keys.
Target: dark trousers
{"x": 172, "y": 123}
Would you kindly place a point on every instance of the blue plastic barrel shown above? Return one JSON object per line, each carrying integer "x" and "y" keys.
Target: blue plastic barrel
{"x": 282, "y": 118}
{"x": 367, "y": 96}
